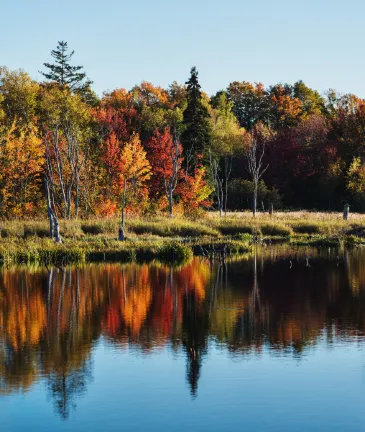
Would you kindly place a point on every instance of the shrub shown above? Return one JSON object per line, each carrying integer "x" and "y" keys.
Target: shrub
{"x": 7, "y": 232}
{"x": 99, "y": 227}
{"x": 175, "y": 252}
{"x": 275, "y": 230}
{"x": 35, "y": 231}
{"x": 235, "y": 229}
{"x": 304, "y": 228}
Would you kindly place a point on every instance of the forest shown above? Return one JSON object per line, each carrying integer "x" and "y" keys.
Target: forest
{"x": 68, "y": 153}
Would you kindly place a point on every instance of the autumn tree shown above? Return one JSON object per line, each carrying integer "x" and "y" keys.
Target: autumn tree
{"x": 305, "y": 164}
{"x": 134, "y": 171}
{"x": 21, "y": 167}
{"x": 166, "y": 160}
{"x": 312, "y": 102}
{"x": 19, "y": 97}
{"x": 355, "y": 181}
{"x": 285, "y": 110}
{"x": 349, "y": 127}
{"x": 250, "y": 103}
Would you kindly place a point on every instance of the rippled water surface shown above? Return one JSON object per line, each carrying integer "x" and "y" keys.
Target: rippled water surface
{"x": 271, "y": 342}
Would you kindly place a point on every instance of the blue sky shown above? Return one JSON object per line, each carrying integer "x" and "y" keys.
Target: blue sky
{"x": 120, "y": 42}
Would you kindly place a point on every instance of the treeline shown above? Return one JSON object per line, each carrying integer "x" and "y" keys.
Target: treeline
{"x": 175, "y": 150}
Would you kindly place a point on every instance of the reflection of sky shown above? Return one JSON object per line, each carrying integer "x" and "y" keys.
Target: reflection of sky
{"x": 323, "y": 390}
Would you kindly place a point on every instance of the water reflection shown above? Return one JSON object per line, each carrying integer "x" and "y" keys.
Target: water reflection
{"x": 280, "y": 298}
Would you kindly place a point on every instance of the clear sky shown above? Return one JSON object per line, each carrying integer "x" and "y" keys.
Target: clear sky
{"x": 122, "y": 42}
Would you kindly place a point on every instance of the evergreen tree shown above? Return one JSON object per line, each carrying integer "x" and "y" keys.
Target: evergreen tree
{"x": 196, "y": 137}
{"x": 66, "y": 75}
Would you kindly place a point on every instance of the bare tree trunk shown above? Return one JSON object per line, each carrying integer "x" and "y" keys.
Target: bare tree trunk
{"x": 254, "y": 205}
{"x": 170, "y": 199}
{"x": 227, "y": 173}
{"x": 57, "y": 235}
{"x": 255, "y": 168}
{"x": 54, "y": 226}
{"x": 49, "y": 210}
{"x": 68, "y": 208}
{"x": 121, "y": 232}
{"x": 77, "y": 199}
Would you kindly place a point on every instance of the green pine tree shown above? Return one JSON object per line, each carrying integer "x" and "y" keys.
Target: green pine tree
{"x": 68, "y": 76}
{"x": 196, "y": 138}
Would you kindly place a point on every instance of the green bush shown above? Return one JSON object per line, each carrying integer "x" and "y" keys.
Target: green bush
{"x": 175, "y": 252}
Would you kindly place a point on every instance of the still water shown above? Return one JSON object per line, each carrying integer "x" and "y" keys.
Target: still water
{"x": 271, "y": 342}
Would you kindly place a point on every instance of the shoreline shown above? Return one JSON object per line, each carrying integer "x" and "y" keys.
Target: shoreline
{"x": 172, "y": 240}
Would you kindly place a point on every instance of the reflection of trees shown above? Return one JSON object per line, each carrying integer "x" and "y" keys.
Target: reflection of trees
{"x": 66, "y": 384}
{"x": 195, "y": 327}
{"x": 45, "y": 333}
{"x": 49, "y": 321}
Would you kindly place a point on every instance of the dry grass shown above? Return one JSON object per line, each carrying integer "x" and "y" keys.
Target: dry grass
{"x": 283, "y": 224}
{"x": 160, "y": 237}
{"x": 291, "y": 216}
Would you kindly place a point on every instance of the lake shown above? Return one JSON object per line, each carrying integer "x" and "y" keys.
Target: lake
{"x": 273, "y": 341}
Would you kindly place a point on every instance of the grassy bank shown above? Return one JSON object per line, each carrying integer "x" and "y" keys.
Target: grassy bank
{"x": 45, "y": 251}
{"x": 173, "y": 239}
{"x": 283, "y": 224}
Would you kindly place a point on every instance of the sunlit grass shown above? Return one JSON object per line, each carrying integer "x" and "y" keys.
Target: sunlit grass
{"x": 153, "y": 237}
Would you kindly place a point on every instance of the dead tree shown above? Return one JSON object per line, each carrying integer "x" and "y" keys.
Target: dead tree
{"x": 76, "y": 158}
{"x": 54, "y": 226}
{"x": 255, "y": 155}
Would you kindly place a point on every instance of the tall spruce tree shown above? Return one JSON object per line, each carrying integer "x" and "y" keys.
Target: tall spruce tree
{"x": 66, "y": 75}
{"x": 196, "y": 138}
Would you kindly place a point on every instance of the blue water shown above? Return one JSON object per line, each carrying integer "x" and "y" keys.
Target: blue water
{"x": 237, "y": 357}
